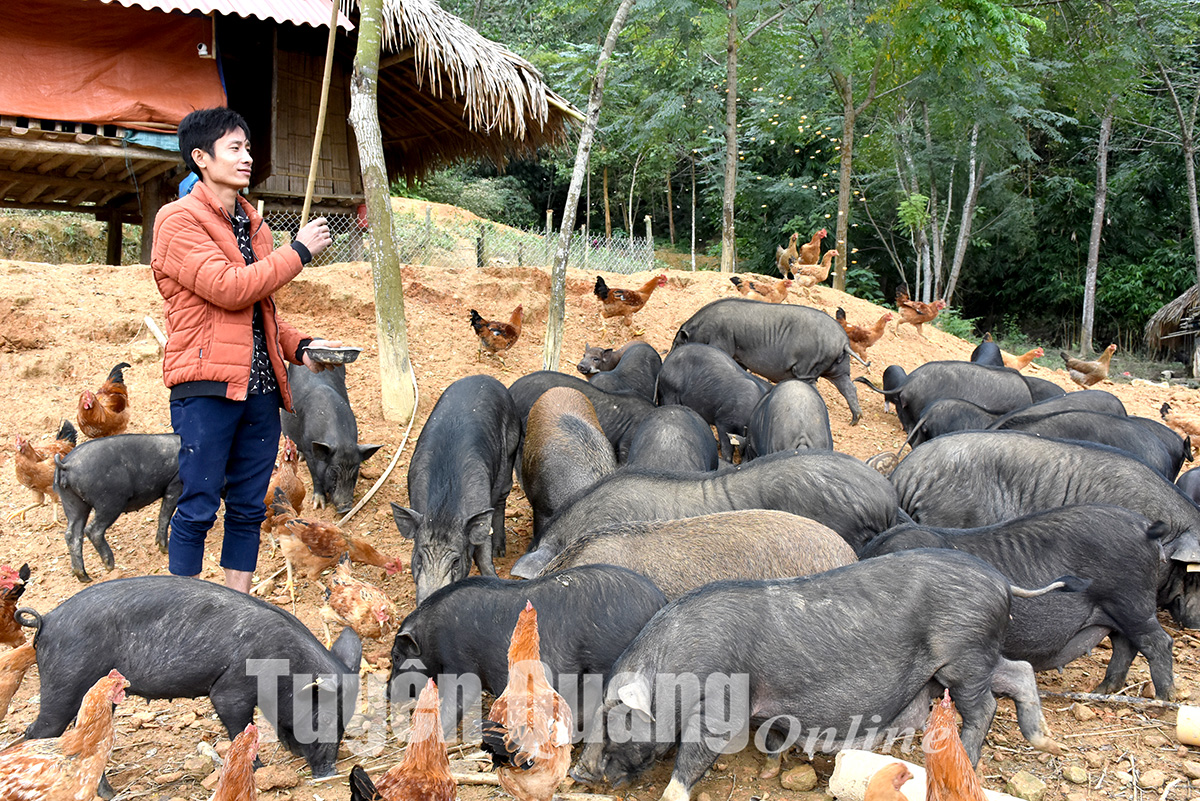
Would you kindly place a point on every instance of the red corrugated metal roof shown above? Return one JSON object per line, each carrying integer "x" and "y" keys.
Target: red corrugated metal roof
{"x": 299, "y": 12}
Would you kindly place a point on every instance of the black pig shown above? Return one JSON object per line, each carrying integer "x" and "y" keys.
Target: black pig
{"x": 830, "y": 487}
{"x": 111, "y": 476}
{"x": 619, "y": 415}
{"x": 708, "y": 381}
{"x": 994, "y": 389}
{"x": 634, "y": 373}
{"x": 1113, "y": 548}
{"x": 174, "y": 637}
{"x": 792, "y": 416}
{"x": 777, "y": 341}
{"x": 458, "y": 483}
{"x": 860, "y": 650}
{"x": 326, "y": 432}
{"x": 976, "y": 478}
{"x": 586, "y": 617}
{"x": 672, "y": 438}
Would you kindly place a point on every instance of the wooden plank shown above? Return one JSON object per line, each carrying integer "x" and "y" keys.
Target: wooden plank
{"x": 34, "y": 192}
{"x": 22, "y": 159}
{"x": 8, "y": 144}
{"x": 70, "y": 183}
{"x": 76, "y": 166}
{"x": 54, "y": 162}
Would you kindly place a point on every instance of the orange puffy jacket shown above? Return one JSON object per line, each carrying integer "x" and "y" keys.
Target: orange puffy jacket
{"x": 209, "y": 294}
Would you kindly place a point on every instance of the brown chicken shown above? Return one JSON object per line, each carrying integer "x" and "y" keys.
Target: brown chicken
{"x": 35, "y": 468}
{"x": 949, "y": 775}
{"x": 105, "y": 412}
{"x": 424, "y": 773}
{"x": 494, "y": 336}
{"x": 13, "y": 665}
{"x": 862, "y": 337}
{"x": 886, "y": 783}
{"x": 286, "y": 477}
{"x": 12, "y": 585}
{"x": 528, "y": 730}
{"x": 311, "y": 546}
{"x": 914, "y": 312}
{"x": 358, "y": 604}
{"x": 786, "y": 257}
{"x": 237, "y": 777}
{"x": 1022, "y": 361}
{"x": 810, "y": 252}
{"x": 1085, "y": 374}
{"x": 69, "y": 767}
{"x": 624, "y": 303}
{"x": 770, "y": 291}
{"x": 809, "y": 275}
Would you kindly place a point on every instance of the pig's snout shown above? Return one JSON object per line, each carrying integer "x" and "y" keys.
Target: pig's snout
{"x": 584, "y": 775}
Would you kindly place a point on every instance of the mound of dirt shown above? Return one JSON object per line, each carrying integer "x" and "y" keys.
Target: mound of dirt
{"x": 73, "y": 323}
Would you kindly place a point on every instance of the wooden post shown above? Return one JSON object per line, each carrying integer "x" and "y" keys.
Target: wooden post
{"x": 150, "y": 199}
{"x": 115, "y": 233}
{"x": 479, "y": 247}
{"x": 649, "y": 244}
{"x": 319, "y": 134}
{"x": 549, "y": 234}
{"x": 670, "y": 210}
{"x": 583, "y": 233}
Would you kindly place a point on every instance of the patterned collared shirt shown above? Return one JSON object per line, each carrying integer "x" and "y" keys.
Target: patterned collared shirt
{"x": 262, "y": 377}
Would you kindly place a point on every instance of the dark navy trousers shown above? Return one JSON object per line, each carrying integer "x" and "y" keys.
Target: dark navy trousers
{"x": 225, "y": 445}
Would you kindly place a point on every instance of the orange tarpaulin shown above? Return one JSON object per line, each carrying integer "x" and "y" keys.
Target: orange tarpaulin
{"x": 83, "y": 61}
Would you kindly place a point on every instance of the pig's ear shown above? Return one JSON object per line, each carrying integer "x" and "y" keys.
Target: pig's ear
{"x": 321, "y": 451}
{"x": 636, "y": 696}
{"x": 407, "y": 520}
{"x": 365, "y": 452}
{"x": 479, "y": 528}
{"x": 347, "y": 648}
{"x": 407, "y": 644}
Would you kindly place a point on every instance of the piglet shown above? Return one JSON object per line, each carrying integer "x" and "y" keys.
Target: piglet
{"x": 111, "y": 476}
{"x": 174, "y": 637}
{"x": 326, "y": 432}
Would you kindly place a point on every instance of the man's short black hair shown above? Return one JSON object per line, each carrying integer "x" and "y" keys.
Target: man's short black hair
{"x": 202, "y": 128}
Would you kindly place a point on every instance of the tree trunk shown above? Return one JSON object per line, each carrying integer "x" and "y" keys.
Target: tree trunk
{"x": 670, "y": 210}
{"x": 632, "y": 184}
{"x": 728, "y": 240}
{"x": 1187, "y": 131}
{"x": 395, "y": 371}
{"x": 558, "y": 275}
{"x": 974, "y": 174}
{"x": 935, "y": 231}
{"x": 692, "y": 158}
{"x": 1093, "y": 260}
{"x": 607, "y": 209}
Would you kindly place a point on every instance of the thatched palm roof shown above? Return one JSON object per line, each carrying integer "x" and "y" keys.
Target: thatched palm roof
{"x": 446, "y": 93}
{"x": 1167, "y": 319}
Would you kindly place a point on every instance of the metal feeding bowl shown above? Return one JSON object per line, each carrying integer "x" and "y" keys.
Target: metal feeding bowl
{"x": 343, "y": 355}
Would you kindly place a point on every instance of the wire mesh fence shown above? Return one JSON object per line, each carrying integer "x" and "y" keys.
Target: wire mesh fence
{"x": 421, "y": 239}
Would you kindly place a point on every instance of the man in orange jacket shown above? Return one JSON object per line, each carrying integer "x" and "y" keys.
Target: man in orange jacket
{"x": 227, "y": 349}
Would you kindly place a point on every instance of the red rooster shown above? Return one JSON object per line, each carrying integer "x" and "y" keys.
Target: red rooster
{"x": 105, "y": 412}
{"x": 424, "y": 773}
{"x": 949, "y": 775}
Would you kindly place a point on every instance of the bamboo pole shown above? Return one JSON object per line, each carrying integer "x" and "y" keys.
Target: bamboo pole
{"x": 320, "y": 132}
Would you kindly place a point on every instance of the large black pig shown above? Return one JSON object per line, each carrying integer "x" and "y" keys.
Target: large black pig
{"x": 619, "y": 415}
{"x": 1116, "y": 550}
{"x": 708, "y": 381}
{"x": 326, "y": 432}
{"x": 460, "y": 634}
{"x": 459, "y": 479}
{"x": 919, "y": 621}
{"x": 1087, "y": 400}
{"x": 994, "y": 389}
{"x": 792, "y": 416}
{"x": 104, "y": 478}
{"x": 946, "y": 416}
{"x": 830, "y": 487}
{"x": 777, "y": 341}
{"x": 672, "y": 438}
{"x": 174, "y": 637}
{"x": 564, "y": 452}
{"x": 681, "y": 555}
{"x": 1148, "y": 440}
{"x": 976, "y": 478}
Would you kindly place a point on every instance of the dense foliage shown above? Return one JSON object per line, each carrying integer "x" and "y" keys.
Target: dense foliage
{"x": 1030, "y": 80}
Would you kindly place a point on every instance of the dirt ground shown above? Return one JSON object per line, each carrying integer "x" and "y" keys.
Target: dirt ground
{"x": 62, "y": 327}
